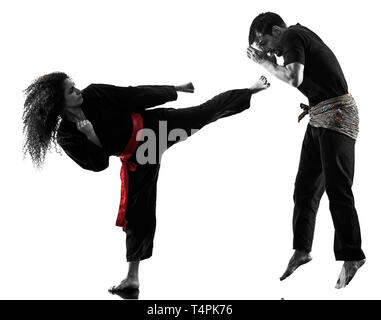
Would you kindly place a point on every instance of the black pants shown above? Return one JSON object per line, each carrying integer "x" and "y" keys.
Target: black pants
{"x": 327, "y": 164}
{"x": 141, "y": 208}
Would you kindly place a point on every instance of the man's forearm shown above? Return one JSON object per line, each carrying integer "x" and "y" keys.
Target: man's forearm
{"x": 292, "y": 73}
{"x": 282, "y": 73}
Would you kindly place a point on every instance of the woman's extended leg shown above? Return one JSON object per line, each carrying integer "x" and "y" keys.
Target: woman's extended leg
{"x": 223, "y": 105}
{"x": 171, "y": 125}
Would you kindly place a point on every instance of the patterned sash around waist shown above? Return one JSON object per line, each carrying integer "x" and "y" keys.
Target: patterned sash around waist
{"x": 338, "y": 114}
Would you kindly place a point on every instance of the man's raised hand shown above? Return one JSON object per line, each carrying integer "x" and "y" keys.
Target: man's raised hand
{"x": 259, "y": 56}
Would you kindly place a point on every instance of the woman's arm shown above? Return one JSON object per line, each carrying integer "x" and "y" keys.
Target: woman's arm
{"x": 86, "y": 127}
{"x": 83, "y": 151}
{"x": 132, "y": 98}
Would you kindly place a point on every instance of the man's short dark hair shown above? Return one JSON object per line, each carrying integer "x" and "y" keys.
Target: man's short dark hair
{"x": 264, "y": 23}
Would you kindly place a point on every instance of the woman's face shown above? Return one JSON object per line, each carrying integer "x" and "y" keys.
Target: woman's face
{"x": 73, "y": 96}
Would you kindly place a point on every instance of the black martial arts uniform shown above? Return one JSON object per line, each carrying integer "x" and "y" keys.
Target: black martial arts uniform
{"x": 108, "y": 108}
{"x": 327, "y": 156}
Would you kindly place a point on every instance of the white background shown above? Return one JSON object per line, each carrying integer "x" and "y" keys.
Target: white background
{"x": 224, "y": 196}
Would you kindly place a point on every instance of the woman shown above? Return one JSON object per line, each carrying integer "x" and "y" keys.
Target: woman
{"x": 106, "y": 120}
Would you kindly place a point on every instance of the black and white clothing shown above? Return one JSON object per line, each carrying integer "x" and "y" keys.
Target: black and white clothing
{"x": 108, "y": 109}
{"x": 327, "y": 156}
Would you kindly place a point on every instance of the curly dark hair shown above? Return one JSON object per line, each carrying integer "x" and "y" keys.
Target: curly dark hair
{"x": 264, "y": 23}
{"x": 42, "y": 114}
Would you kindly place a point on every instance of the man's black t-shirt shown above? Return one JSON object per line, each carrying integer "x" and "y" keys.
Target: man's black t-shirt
{"x": 323, "y": 77}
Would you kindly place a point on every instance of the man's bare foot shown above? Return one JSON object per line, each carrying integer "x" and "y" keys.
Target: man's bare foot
{"x": 188, "y": 87}
{"x": 347, "y": 273}
{"x": 260, "y": 85}
{"x": 128, "y": 284}
{"x": 299, "y": 258}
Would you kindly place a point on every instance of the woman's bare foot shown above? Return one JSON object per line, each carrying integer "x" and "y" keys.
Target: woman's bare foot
{"x": 260, "y": 85}
{"x": 130, "y": 283}
{"x": 132, "y": 280}
{"x": 299, "y": 258}
{"x": 188, "y": 87}
{"x": 347, "y": 273}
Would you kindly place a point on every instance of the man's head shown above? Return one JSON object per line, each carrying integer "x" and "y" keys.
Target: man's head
{"x": 266, "y": 32}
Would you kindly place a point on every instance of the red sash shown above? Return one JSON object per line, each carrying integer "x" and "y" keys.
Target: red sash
{"x": 137, "y": 124}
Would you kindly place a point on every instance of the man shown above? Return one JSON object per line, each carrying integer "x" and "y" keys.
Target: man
{"x": 327, "y": 156}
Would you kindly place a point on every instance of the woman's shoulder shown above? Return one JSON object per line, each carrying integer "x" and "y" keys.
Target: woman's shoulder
{"x": 96, "y": 90}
